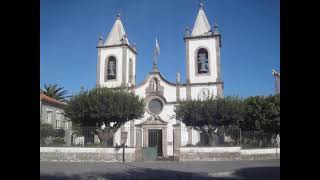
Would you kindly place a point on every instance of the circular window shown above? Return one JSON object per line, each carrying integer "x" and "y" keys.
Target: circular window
{"x": 155, "y": 106}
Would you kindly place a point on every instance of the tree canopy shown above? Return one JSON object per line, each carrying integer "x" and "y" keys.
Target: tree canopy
{"x": 261, "y": 113}
{"x": 210, "y": 112}
{"x": 103, "y": 105}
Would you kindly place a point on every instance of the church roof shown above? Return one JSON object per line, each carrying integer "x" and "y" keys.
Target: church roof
{"x": 116, "y": 34}
{"x": 201, "y": 26}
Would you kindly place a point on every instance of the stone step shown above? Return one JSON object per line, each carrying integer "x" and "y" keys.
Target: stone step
{"x": 170, "y": 158}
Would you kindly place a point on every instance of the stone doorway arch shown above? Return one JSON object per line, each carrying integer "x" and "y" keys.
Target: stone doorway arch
{"x": 142, "y": 129}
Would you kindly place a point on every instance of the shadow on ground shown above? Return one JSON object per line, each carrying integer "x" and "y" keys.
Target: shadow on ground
{"x": 261, "y": 173}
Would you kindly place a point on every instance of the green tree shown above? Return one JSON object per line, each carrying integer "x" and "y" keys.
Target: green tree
{"x": 262, "y": 113}
{"x": 104, "y": 106}
{"x": 207, "y": 114}
{"x": 211, "y": 112}
{"x": 54, "y": 91}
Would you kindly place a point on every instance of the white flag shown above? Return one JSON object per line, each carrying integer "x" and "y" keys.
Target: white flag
{"x": 157, "y": 47}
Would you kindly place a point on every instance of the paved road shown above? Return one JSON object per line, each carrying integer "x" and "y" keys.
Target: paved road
{"x": 225, "y": 170}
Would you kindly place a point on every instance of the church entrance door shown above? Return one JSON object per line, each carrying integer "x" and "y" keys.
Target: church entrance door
{"x": 155, "y": 140}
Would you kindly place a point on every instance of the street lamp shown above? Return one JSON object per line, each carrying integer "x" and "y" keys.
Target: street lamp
{"x": 124, "y": 136}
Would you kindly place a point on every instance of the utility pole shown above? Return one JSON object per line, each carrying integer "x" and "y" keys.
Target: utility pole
{"x": 277, "y": 80}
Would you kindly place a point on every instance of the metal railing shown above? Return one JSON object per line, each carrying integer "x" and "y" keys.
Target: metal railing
{"x": 222, "y": 136}
{"x": 230, "y": 136}
{"x": 84, "y": 136}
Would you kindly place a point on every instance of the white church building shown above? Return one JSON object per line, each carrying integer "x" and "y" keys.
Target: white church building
{"x": 116, "y": 67}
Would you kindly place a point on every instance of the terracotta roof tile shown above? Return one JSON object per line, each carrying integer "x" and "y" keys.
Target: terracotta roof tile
{"x": 50, "y": 99}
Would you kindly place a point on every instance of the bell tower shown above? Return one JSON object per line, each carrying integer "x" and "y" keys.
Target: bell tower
{"x": 116, "y": 65}
{"x": 203, "y": 45}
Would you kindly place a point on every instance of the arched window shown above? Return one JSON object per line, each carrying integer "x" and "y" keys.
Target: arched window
{"x": 202, "y": 61}
{"x": 130, "y": 70}
{"x": 111, "y": 68}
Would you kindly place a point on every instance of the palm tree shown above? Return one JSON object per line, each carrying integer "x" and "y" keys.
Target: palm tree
{"x": 54, "y": 91}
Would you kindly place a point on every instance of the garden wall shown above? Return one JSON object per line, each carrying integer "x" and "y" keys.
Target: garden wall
{"x": 257, "y": 154}
{"x": 227, "y": 153}
{"x": 209, "y": 153}
{"x": 78, "y": 154}
{"x": 85, "y": 154}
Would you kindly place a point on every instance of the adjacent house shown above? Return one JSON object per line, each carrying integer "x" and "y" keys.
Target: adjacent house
{"x": 51, "y": 112}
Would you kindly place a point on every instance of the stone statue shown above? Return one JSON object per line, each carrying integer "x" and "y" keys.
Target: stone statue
{"x": 150, "y": 118}
{"x": 154, "y": 85}
{"x": 178, "y": 77}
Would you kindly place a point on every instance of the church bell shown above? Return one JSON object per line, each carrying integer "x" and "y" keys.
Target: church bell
{"x": 202, "y": 61}
{"x": 110, "y": 69}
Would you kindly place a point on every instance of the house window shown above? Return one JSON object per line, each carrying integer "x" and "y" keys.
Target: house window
{"x": 58, "y": 120}
{"x": 66, "y": 125}
{"x": 202, "y": 61}
{"x": 49, "y": 114}
{"x": 111, "y": 68}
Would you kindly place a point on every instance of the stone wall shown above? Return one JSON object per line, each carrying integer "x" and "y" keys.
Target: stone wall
{"x": 78, "y": 154}
{"x": 227, "y": 153}
{"x": 86, "y": 154}
{"x": 258, "y": 154}
{"x": 209, "y": 153}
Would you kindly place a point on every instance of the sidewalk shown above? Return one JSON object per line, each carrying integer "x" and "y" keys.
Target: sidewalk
{"x": 226, "y": 170}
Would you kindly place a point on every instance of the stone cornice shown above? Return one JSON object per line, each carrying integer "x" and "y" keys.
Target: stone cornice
{"x": 119, "y": 45}
{"x": 201, "y": 37}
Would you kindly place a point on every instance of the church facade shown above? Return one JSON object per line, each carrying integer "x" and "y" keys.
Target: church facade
{"x": 116, "y": 67}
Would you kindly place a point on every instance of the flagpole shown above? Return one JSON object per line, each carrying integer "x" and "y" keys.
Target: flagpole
{"x": 156, "y": 52}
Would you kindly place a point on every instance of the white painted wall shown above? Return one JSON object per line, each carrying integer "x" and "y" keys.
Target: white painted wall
{"x": 169, "y": 92}
{"x": 184, "y": 135}
{"x": 196, "y": 89}
{"x": 183, "y": 93}
{"x": 260, "y": 151}
{"x": 105, "y": 53}
{"x": 131, "y": 55}
{"x": 208, "y": 44}
{"x": 195, "y": 137}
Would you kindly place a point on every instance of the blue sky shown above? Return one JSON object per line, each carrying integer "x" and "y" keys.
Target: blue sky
{"x": 69, "y": 32}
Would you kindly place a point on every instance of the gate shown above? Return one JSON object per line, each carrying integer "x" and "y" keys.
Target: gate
{"x": 155, "y": 140}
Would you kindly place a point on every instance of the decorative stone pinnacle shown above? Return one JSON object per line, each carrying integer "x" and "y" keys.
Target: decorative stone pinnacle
{"x": 215, "y": 25}
{"x": 118, "y": 15}
{"x": 201, "y": 5}
{"x": 215, "y": 28}
{"x": 100, "y": 43}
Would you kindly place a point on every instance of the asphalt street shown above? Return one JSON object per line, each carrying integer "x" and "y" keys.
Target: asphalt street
{"x": 225, "y": 170}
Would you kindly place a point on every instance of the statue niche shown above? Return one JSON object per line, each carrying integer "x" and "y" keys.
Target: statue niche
{"x": 154, "y": 87}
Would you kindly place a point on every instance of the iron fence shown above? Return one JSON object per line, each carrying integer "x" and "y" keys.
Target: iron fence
{"x": 230, "y": 136}
{"x": 257, "y": 139}
{"x": 84, "y": 136}
{"x": 222, "y": 136}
